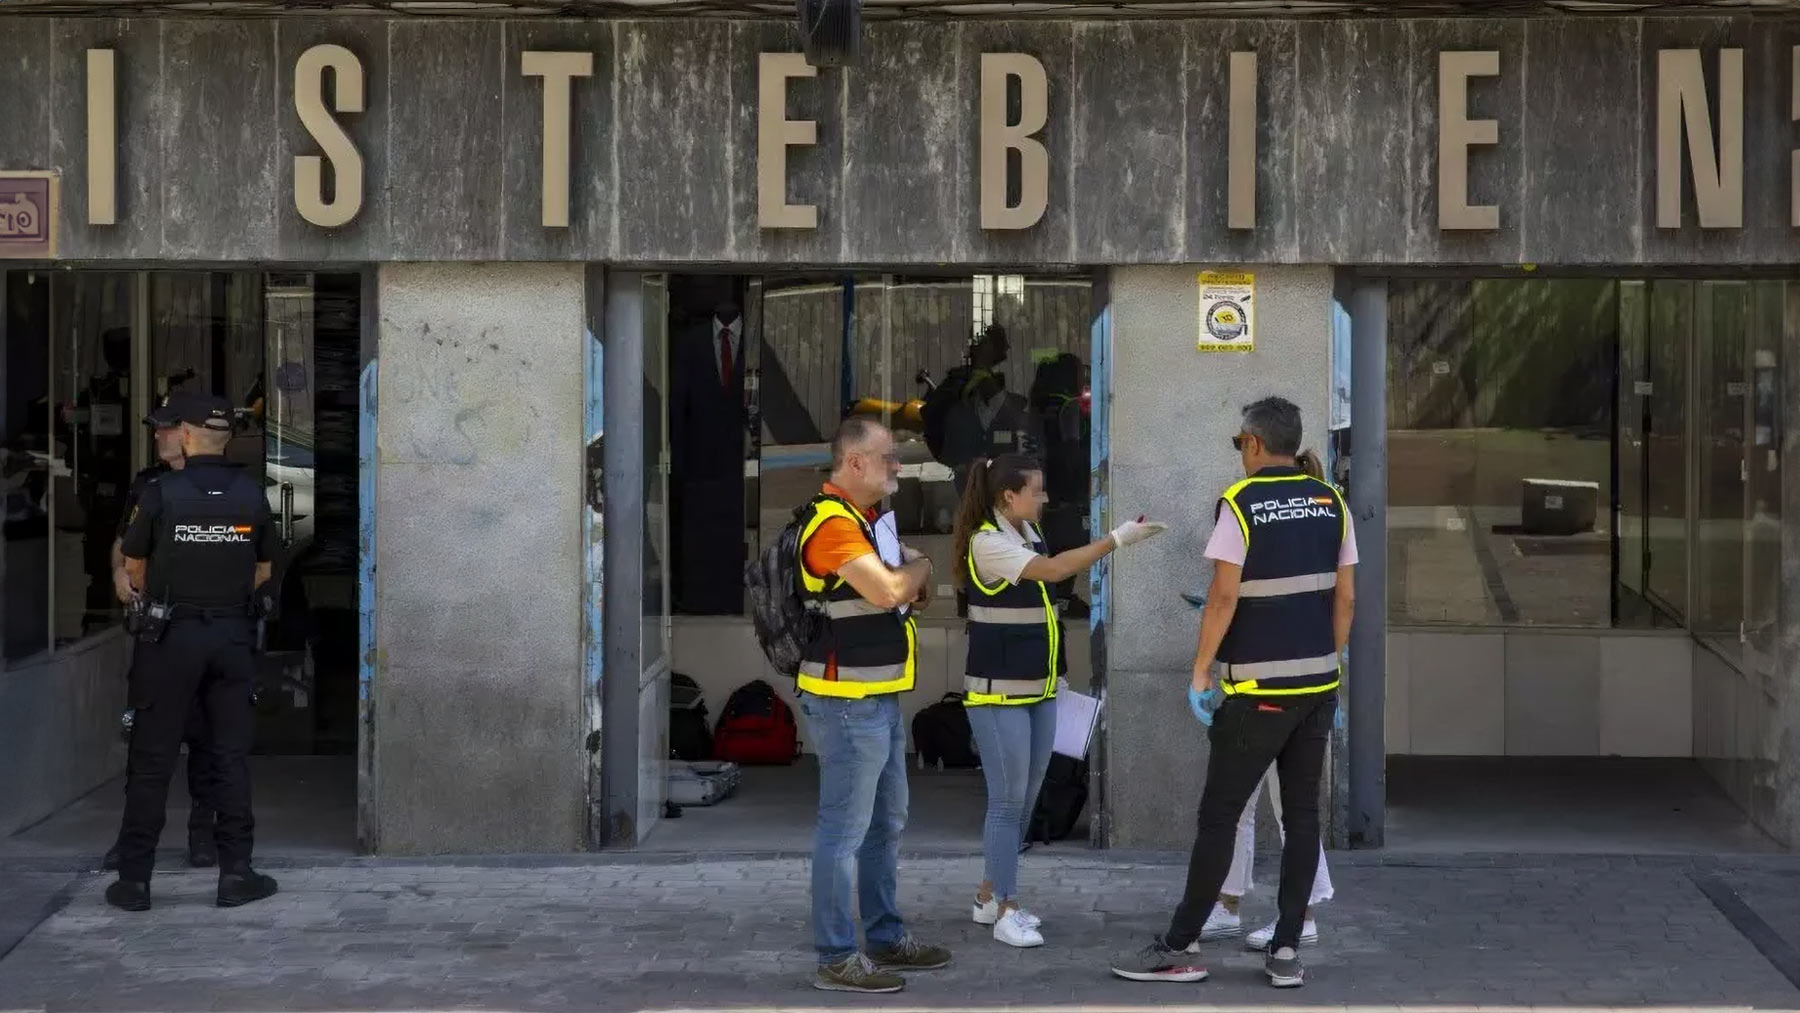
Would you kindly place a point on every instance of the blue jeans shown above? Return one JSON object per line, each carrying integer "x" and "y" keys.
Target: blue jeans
{"x": 1015, "y": 751}
{"x": 861, "y": 746}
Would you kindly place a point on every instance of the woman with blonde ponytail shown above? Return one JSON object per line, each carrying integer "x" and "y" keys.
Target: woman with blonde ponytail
{"x": 1015, "y": 661}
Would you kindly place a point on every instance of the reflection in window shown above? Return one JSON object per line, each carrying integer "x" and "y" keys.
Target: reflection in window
{"x": 1526, "y": 415}
{"x": 1500, "y": 472}
{"x": 27, "y": 453}
{"x": 1005, "y": 354}
{"x": 91, "y": 355}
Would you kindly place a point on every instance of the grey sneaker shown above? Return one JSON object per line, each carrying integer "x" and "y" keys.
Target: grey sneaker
{"x": 910, "y": 955}
{"x": 856, "y": 974}
{"x": 1283, "y": 968}
{"x": 1157, "y": 962}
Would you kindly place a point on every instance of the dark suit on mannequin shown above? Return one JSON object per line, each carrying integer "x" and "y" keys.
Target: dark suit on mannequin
{"x": 707, "y": 440}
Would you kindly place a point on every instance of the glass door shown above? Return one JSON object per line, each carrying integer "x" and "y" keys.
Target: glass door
{"x": 1763, "y": 493}
{"x": 1631, "y": 548}
{"x": 656, "y": 626}
{"x": 1721, "y": 395}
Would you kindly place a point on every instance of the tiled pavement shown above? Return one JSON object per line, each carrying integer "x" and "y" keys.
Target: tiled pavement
{"x": 1544, "y": 932}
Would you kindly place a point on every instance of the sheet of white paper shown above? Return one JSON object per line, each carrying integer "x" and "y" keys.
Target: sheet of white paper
{"x": 1076, "y": 714}
{"x": 887, "y": 538}
{"x": 887, "y": 544}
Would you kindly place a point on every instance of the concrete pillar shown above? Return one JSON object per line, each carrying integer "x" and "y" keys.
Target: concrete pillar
{"x": 1174, "y": 412}
{"x": 477, "y": 691}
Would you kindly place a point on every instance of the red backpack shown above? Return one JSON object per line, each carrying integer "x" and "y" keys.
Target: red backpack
{"x": 755, "y": 727}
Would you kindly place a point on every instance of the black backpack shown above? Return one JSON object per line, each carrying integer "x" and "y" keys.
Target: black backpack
{"x": 785, "y": 620}
{"x": 1060, "y": 801}
{"x": 690, "y": 735}
{"x": 941, "y": 734}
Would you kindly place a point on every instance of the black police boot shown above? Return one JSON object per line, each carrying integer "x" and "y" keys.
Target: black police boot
{"x": 202, "y": 852}
{"x": 129, "y": 896}
{"x": 110, "y": 862}
{"x": 244, "y": 886}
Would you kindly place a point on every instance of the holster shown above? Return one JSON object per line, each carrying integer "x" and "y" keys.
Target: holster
{"x": 153, "y": 622}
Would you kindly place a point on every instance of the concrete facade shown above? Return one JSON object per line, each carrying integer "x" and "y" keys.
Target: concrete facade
{"x": 1346, "y": 128}
{"x": 478, "y": 729}
{"x": 59, "y": 728}
{"x": 1171, "y": 457}
{"x": 479, "y": 590}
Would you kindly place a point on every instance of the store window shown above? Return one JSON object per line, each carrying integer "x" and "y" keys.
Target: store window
{"x": 1500, "y": 451}
{"x": 1589, "y": 452}
{"x": 809, "y": 350}
{"x": 86, "y": 353}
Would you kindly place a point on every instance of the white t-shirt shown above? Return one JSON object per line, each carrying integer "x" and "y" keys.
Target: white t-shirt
{"x": 1002, "y": 554}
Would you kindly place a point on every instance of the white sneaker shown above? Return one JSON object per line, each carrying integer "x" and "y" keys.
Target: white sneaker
{"x": 1015, "y": 929}
{"x": 989, "y": 913}
{"x": 1261, "y": 938}
{"x": 1220, "y": 924}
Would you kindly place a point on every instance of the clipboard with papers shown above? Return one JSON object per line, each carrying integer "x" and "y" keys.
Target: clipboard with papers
{"x": 887, "y": 544}
{"x": 1077, "y": 715}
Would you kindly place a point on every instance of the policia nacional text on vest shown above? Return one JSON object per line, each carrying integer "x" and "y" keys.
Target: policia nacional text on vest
{"x": 205, "y": 559}
{"x": 860, "y": 650}
{"x": 1281, "y": 641}
{"x": 1015, "y": 637}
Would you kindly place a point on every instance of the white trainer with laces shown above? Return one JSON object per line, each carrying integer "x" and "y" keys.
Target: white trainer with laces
{"x": 1015, "y": 929}
{"x": 1261, "y": 938}
{"x": 1220, "y": 924}
{"x": 988, "y": 913}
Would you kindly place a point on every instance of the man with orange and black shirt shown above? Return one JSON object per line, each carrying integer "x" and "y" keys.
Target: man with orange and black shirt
{"x": 850, "y": 680}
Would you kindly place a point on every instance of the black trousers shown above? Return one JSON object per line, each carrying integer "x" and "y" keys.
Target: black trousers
{"x": 1248, "y": 734}
{"x": 209, "y": 661}
{"x": 200, "y": 776}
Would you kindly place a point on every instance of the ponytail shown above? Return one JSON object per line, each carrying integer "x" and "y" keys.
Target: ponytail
{"x": 1309, "y": 462}
{"x": 989, "y": 479}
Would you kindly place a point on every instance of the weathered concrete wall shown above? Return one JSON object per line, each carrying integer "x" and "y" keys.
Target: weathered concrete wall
{"x": 1171, "y": 458}
{"x": 59, "y": 728}
{"x": 664, "y": 150}
{"x": 479, "y": 594}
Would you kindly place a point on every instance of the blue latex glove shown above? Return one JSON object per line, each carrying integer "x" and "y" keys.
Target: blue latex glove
{"x": 1199, "y": 703}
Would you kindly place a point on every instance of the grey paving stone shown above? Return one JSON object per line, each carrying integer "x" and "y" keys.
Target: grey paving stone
{"x": 734, "y": 934}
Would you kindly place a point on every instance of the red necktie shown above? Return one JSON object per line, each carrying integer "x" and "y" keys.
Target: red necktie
{"x": 725, "y": 356}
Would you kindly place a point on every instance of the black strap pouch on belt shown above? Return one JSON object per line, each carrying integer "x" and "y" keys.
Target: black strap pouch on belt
{"x": 153, "y": 622}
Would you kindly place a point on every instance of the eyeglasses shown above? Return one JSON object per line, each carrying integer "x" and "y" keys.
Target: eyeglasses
{"x": 1237, "y": 442}
{"x": 891, "y": 457}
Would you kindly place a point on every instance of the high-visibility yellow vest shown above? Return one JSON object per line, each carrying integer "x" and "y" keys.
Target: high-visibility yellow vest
{"x": 1015, "y": 637}
{"x": 860, "y": 650}
{"x": 1281, "y": 641}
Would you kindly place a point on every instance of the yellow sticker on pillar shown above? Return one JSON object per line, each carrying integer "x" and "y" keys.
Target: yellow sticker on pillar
{"x": 1227, "y": 311}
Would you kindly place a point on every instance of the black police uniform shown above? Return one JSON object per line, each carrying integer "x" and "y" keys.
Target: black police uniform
{"x": 201, "y": 851}
{"x": 203, "y": 530}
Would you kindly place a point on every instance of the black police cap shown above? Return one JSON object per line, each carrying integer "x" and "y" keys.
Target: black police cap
{"x": 207, "y": 411}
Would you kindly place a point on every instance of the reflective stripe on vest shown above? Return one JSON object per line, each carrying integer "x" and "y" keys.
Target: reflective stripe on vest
{"x": 1007, "y": 620}
{"x": 875, "y": 649}
{"x": 1275, "y": 587}
{"x": 1281, "y": 639}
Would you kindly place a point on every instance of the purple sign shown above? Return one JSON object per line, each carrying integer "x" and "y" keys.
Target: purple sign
{"x": 28, "y": 215}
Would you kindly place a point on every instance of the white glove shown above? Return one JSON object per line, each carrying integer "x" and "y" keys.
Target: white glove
{"x": 1132, "y": 532}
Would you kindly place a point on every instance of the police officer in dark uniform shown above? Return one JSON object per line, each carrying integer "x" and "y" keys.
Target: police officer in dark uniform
{"x": 1277, "y": 620}
{"x": 199, "y": 551}
{"x": 164, "y": 424}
